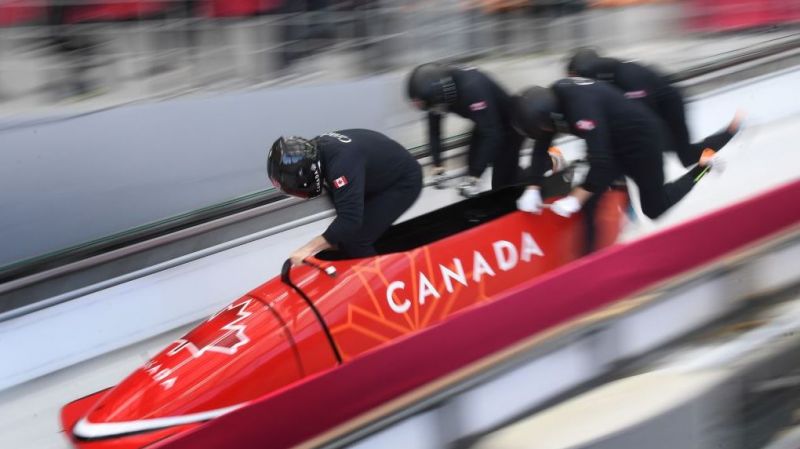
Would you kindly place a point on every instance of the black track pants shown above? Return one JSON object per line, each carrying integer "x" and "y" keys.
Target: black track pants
{"x": 672, "y": 112}
{"x": 646, "y": 169}
{"x": 504, "y": 159}
{"x": 505, "y": 168}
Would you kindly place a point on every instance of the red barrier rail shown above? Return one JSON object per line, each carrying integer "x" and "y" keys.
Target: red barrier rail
{"x": 238, "y": 8}
{"x": 18, "y": 12}
{"x": 113, "y": 11}
{"x": 293, "y": 415}
{"x": 728, "y": 15}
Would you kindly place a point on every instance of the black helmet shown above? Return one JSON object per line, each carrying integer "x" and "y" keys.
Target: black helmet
{"x": 433, "y": 85}
{"x": 584, "y": 62}
{"x": 293, "y": 167}
{"x": 534, "y": 112}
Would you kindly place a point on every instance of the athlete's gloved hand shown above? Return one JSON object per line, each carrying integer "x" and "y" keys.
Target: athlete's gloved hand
{"x": 566, "y": 206}
{"x": 438, "y": 177}
{"x": 530, "y": 201}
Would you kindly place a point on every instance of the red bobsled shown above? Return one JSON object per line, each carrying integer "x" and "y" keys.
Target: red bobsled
{"x": 317, "y": 316}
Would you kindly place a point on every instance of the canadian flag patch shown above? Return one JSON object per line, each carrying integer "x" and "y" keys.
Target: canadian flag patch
{"x": 634, "y": 94}
{"x": 340, "y": 182}
{"x": 585, "y": 125}
{"x": 477, "y": 106}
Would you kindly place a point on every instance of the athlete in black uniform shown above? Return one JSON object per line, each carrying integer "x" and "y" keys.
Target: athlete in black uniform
{"x": 622, "y": 138}
{"x": 371, "y": 178}
{"x": 644, "y": 84}
{"x": 470, "y": 93}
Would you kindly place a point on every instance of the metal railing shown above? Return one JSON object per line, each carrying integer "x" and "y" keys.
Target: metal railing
{"x": 28, "y": 267}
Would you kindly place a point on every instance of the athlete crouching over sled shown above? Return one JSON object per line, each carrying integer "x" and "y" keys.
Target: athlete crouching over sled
{"x": 622, "y": 138}
{"x": 371, "y": 178}
{"x": 643, "y": 84}
{"x": 440, "y": 89}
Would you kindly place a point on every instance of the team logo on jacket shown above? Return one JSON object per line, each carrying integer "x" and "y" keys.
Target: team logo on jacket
{"x": 478, "y": 106}
{"x": 585, "y": 125}
{"x": 340, "y": 137}
{"x": 635, "y": 94}
{"x": 222, "y": 333}
{"x": 340, "y": 182}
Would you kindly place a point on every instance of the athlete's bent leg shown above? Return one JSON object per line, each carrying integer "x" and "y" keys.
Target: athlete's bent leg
{"x": 672, "y": 111}
{"x": 505, "y": 167}
{"x": 380, "y": 211}
{"x": 646, "y": 170}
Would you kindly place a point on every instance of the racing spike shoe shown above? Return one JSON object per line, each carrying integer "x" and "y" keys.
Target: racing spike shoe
{"x": 438, "y": 177}
{"x": 710, "y": 159}
{"x": 469, "y": 187}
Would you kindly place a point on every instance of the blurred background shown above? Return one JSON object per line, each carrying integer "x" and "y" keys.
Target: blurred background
{"x": 110, "y": 52}
{"x": 134, "y": 200}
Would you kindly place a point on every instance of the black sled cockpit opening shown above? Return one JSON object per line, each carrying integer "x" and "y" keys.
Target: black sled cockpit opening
{"x": 449, "y": 220}
{"x": 455, "y": 218}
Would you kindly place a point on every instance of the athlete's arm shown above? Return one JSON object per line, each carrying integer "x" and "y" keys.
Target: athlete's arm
{"x": 435, "y": 137}
{"x": 311, "y": 248}
{"x": 486, "y": 115}
{"x": 588, "y": 121}
{"x": 345, "y": 177}
{"x": 540, "y": 160}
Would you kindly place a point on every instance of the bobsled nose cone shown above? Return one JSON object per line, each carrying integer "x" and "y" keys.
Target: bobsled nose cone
{"x": 235, "y": 356}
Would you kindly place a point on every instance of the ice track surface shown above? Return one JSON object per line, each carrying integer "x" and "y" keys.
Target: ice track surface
{"x": 764, "y": 155}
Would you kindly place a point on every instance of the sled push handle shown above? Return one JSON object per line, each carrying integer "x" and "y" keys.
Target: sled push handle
{"x": 330, "y": 270}
{"x": 286, "y": 271}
